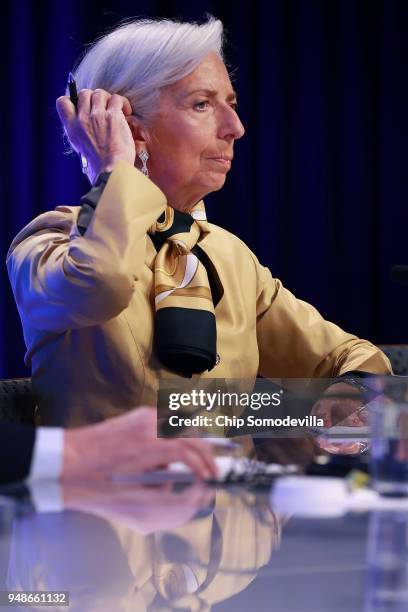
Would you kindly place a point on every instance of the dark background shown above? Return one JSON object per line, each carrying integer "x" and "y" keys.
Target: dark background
{"x": 319, "y": 183}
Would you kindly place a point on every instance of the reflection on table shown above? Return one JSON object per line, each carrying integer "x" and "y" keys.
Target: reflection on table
{"x": 124, "y": 547}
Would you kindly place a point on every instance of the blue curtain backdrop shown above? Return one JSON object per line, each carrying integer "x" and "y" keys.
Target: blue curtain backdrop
{"x": 319, "y": 183}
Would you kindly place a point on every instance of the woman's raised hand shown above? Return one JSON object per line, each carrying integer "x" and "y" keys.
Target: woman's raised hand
{"x": 98, "y": 129}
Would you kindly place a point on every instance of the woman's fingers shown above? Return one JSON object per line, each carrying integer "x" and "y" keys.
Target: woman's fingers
{"x": 98, "y": 102}
{"x": 91, "y": 102}
{"x": 335, "y": 412}
{"x": 98, "y": 129}
{"x": 70, "y": 115}
{"x": 65, "y": 109}
{"x": 341, "y": 448}
{"x": 120, "y": 103}
{"x": 84, "y": 104}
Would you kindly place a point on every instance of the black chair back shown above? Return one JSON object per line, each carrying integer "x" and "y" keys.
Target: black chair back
{"x": 17, "y": 401}
{"x": 398, "y": 355}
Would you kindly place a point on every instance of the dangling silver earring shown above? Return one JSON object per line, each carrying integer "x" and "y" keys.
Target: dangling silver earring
{"x": 144, "y": 156}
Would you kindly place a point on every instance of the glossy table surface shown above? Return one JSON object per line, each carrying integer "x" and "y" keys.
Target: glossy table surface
{"x": 130, "y": 547}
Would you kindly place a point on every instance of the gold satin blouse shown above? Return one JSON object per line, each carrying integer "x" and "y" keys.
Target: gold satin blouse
{"x": 87, "y": 308}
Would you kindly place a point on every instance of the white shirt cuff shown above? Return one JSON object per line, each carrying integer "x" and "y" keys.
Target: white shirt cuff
{"x": 46, "y": 463}
{"x": 46, "y": 495}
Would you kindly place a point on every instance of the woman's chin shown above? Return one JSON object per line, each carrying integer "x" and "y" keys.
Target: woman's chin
{"x": 217, "y": 182}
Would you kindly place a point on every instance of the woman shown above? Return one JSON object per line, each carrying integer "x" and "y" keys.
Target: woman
{"x": 135, "y": 284}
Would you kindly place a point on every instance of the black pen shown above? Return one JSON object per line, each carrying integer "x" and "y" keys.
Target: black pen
{"x": 73, "y": 94}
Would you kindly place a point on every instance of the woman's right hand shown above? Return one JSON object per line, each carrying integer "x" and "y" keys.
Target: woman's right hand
{"x": 98, "y": 129}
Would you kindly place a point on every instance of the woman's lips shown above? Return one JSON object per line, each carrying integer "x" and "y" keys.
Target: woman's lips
{"x": 226, "y": 163}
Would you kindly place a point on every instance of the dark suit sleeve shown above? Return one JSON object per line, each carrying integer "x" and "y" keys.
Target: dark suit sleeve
{"x": 16, "y": 451}
{"x": 90, "y": 201}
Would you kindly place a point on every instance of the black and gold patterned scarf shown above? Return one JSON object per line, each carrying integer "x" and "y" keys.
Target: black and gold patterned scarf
{"x": 186, "y": 289}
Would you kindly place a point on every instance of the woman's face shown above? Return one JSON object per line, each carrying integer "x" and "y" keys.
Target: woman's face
{"x": 191, "y": 139}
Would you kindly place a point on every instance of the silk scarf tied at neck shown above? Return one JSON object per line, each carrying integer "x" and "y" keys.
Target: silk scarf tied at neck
{"x": 185, "y": 334}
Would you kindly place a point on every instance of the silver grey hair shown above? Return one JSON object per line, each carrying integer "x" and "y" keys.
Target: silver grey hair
{"x": 140, "y": 57}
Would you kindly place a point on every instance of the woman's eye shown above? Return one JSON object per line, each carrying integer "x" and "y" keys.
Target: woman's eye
{"x": 201, "y": 105}
{"x": 234, "y": 106}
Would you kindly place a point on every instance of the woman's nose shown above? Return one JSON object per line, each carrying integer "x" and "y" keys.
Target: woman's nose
{"x": 230, "y": 125}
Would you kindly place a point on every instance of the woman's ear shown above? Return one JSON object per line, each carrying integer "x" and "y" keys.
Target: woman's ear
{"x": 140, "y": 137}
{"x": 138, "y": 132}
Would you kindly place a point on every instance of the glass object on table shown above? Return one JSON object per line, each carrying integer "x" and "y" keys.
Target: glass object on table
{"x": 387, "y": 563}
{"x": 389, "y": 432}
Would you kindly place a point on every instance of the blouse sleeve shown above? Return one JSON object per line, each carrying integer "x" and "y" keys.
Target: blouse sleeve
{"x": 295, "y": 341}
{"x": 64, "y": 280}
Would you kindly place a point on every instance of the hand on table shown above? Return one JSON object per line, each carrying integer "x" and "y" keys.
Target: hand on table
{"x": 349, "y": 412}
{"x": 341, "y": 411}
{"x": 128, "y": 445}
{"x": 98, "y": 129}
